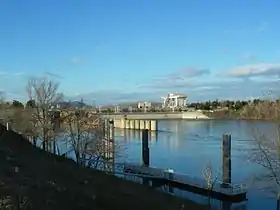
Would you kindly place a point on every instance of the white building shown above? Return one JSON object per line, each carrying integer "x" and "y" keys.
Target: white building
{"x": 144, "y": 105}
{"x": 174, "y": 100}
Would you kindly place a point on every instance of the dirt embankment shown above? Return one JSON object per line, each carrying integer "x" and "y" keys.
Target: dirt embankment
{"x": 33, "y": 179}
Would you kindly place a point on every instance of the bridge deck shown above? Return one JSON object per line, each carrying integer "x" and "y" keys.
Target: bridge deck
{"x": 233, "y": 192}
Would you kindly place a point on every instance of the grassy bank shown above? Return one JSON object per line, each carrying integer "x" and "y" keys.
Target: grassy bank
{"x": 34, "y": 179}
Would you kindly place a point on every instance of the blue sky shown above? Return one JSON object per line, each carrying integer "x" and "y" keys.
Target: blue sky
{"x": 112, "y": 51}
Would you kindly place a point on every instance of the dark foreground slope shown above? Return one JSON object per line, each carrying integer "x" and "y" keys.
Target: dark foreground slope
{"x": 34, "y": 179}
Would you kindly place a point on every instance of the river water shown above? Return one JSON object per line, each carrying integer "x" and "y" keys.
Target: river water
{"x": 187, "y": 146}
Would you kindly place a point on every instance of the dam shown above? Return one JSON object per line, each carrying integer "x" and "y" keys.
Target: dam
{"x": 139, "y": 121}
{"x": 190, "y": 115}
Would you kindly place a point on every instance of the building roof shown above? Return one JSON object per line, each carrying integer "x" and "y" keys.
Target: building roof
{"x": 178, "y": 94}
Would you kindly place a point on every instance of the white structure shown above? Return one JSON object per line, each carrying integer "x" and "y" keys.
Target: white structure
{"x": 174, "y": 100}
{"x": 117, "y": 108}
{"x": 144, "y": 105}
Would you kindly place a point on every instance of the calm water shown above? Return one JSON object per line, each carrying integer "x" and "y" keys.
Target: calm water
{"x": 187, "y": 146}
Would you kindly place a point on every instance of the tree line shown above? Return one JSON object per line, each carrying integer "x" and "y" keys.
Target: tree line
{"x": 84, "y": 133}
{"x": 207, "y": 105}
{"x": 19, "y": 104}
{"x": 229, "y": 104}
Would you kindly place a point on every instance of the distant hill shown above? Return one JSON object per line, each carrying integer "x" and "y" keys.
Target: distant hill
{"x": 73, "y": 104}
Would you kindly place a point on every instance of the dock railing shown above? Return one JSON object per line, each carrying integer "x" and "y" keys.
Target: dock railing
{"x": 215, "y": 185}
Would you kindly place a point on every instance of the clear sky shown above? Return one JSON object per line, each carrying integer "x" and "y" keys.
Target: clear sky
{"x": 111, "y": 51}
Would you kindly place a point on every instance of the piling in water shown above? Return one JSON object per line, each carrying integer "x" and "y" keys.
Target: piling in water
{"x": 145, "y": 148}
{"x": 226, "y": 160}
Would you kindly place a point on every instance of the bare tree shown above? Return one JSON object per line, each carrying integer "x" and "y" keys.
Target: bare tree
{"x": 46, "y": 96}
{"x": 85, "y": 133}
{"x": 267, "y": 154}
{"x": 210, "y": 179}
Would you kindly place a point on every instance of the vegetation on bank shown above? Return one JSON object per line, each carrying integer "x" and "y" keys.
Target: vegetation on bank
{"x": 40, "y": 175}
{"x": 34, "y": 179}
{"x": 253, "y": 110}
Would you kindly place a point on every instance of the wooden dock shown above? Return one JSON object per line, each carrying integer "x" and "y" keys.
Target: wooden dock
{"x": 230, "y": 192}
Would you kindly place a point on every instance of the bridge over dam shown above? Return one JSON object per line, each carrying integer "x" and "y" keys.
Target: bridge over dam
{"x": 139, "y": 121}
{"x": 191, "y": 115}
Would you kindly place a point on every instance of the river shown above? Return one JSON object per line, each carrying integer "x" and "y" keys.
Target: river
{"x": 187, "y": 146}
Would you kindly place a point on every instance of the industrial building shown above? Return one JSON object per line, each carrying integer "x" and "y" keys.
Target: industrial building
{"x": 174, "y": 100}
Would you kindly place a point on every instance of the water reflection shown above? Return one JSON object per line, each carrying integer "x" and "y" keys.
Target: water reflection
{"x": 186, "y": 146}
{"x": 135, "y": 135}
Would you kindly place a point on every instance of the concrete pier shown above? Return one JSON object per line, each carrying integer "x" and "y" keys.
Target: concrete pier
{"x": 120, "y": 124}
{"x": 127, "y": 124}
{"x": 123, "y": 123}
{"x": 154, "y": 125}
{"x": 142, "y": 124}
{"x": 148, "y": 124}
{"x": 137, "y": 124}
{"x": 131, "y": 124}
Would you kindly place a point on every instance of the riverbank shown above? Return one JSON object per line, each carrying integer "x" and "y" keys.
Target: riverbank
{"x": 224, "y": 115}
{"x": 34, "y": 179}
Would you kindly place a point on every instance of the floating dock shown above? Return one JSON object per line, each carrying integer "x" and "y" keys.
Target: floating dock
{"x": 218, "y": 190}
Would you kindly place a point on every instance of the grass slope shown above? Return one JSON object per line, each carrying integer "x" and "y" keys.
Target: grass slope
{"x": 34, "y": 179}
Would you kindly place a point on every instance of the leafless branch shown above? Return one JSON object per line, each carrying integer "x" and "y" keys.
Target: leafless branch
{"x": 267, "y": 154}
{"x": 86, "y": 135}
{"x": 210, "y": 179}
{"x": 44, "y": 93}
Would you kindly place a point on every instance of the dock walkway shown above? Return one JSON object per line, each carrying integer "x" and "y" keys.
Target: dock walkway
{"x": 233, "y": 192}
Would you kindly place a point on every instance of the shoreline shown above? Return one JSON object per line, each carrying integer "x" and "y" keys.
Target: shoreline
{"x": 54, "y": 182}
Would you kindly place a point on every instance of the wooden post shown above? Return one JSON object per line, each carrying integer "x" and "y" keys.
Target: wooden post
{"x": 226, "y": 160}
{"x": 145, "y": 148}
{"x": 56, "y": 120}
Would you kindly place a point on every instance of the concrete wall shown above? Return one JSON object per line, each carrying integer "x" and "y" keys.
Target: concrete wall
{"x": 194, "y": 115}
{"x": 158, "y": 116}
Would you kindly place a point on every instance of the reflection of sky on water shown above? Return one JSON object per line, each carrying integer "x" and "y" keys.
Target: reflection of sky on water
{"x": 186, "y": 146}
